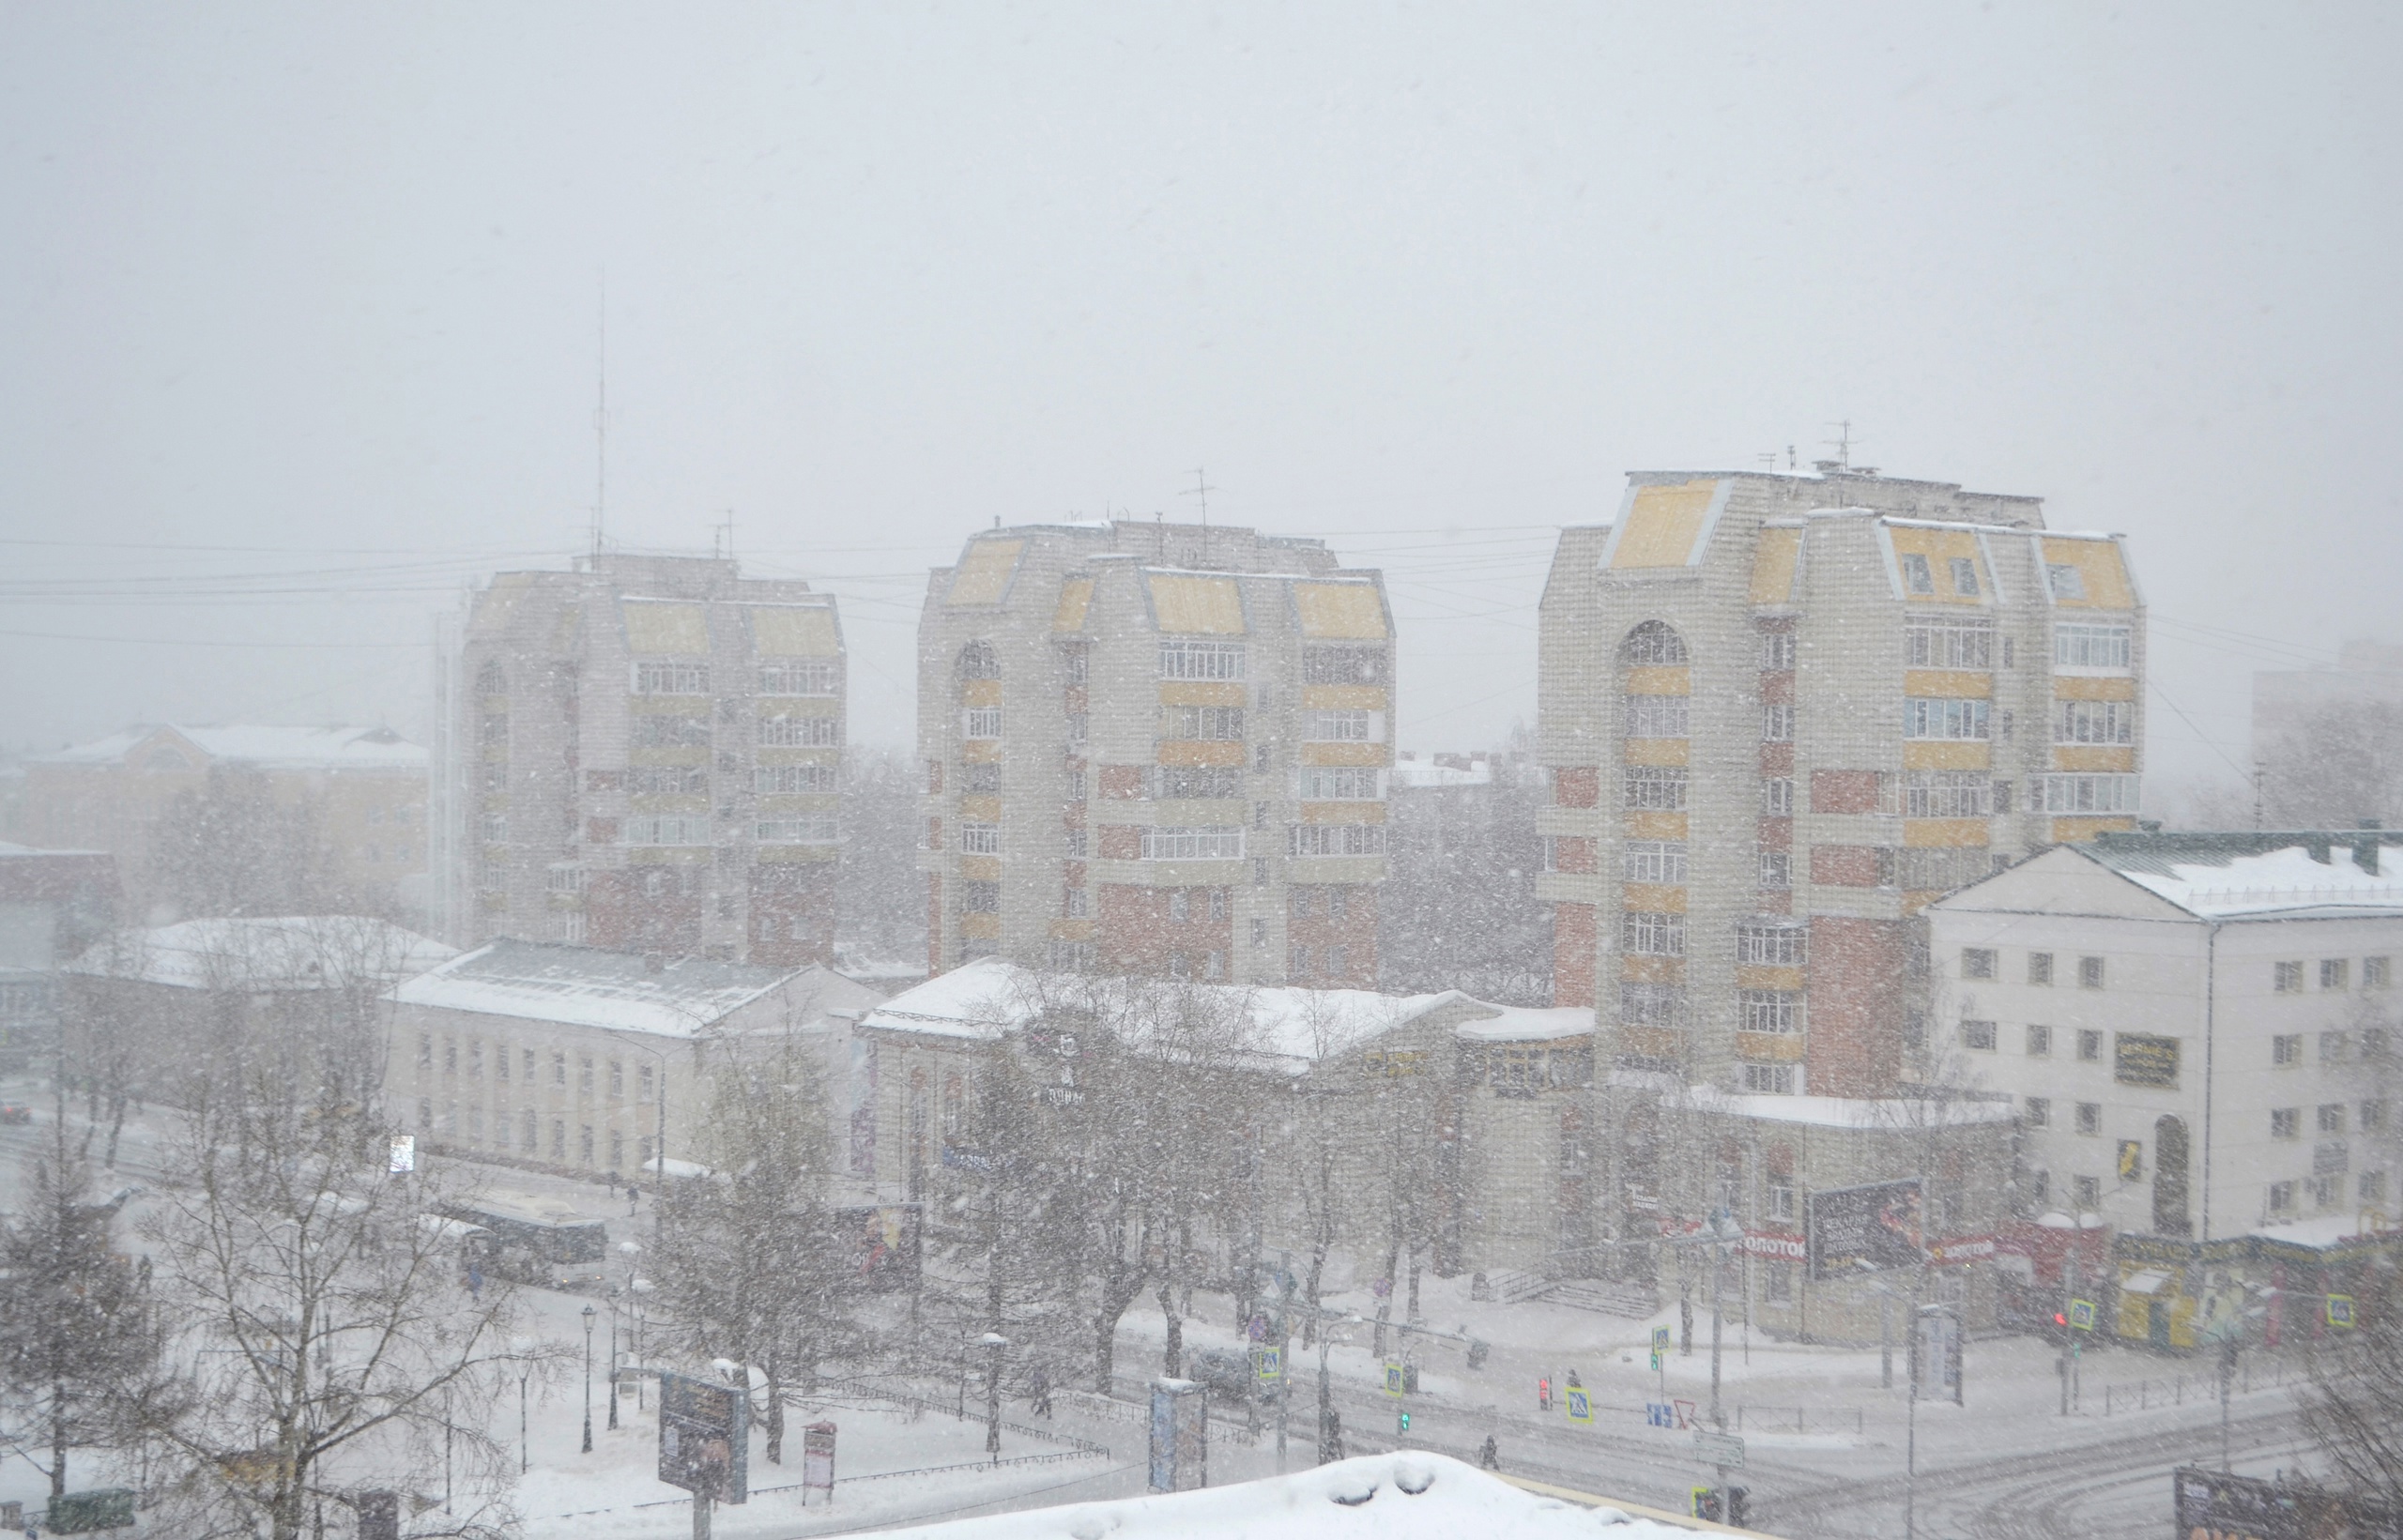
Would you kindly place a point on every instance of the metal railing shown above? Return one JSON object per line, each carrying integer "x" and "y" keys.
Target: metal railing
{"x": 2144, "y": 1395}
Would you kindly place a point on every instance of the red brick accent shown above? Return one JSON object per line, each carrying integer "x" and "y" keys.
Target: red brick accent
{"x": 1855, "y": 1007}
{"x": 1136, "y": 933}
{"x": 1775, "y": 834}
{"x": 619, "y": 915}
{"x": 1075, "y": 698}
{"x": 1573, "y": 955}
{"x": 1121, "y": 842}
{"x": 1843, "y": 791}
{"x": 599, "y": 830}
{"x": 1572, "y": 853}
{"x": 1776, "y": 759}
{"x": 1576, "y": 785}
{"x": 1778, "y": 689}
{"x": 1845, "y": 866}
{"x": 792, "y": 913}
{"x": 934, "y": 923}
{"x": 1073, "y": 874}
{"x": 1311, "y": 923}
{"x": 1123, "y": 783}
{"x": 1774, "y": 901}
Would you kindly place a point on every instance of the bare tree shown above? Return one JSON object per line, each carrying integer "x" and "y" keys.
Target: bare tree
{"x": 328, "y": 1335}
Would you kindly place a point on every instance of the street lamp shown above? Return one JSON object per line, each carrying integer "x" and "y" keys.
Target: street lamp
{"x": 1724, "y": 1227}
{"x": 524, "y": 1349}
{"x": 639, "y": 1288}
{"x": 998, "y": 1343}
{"x": 589, "y": 1313}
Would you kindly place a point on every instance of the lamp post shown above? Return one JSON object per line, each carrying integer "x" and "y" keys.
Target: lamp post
{"x": 1724, "y": 1228}
{"x": 639, "y": 1287}
{"x": 589, "y": 1313}
{"x": 524, "y": 1349}
{"x": 998, "y": 1343}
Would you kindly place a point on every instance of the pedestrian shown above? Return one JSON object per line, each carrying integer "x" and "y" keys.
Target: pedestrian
{"x": 1491, "y": 1455}
{"x": 633, "y": 1196}
{"x": 1039, "y": 1391}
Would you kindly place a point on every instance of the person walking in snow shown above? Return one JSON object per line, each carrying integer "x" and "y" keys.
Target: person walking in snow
{"x": 1489, "y": 1457}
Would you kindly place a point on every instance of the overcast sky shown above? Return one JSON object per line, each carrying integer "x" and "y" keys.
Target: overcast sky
{"x": 301, "y": 309}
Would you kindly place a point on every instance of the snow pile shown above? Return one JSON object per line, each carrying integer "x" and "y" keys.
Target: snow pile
{"x": 1388, "y": 1497}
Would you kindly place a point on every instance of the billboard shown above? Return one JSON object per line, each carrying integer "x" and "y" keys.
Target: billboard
{"x": 2217, "y": 1503}
{"x": 1869, "y": 1228}
{"x": 883, "y": 1241}
{"x": 705, "y": 1438}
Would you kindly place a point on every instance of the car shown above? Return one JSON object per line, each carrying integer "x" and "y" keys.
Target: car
{"x": 1229, "y": 1373}
{"x": 15, "y": 1112}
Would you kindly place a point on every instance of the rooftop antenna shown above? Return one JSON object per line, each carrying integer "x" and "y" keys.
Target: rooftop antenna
{"x": 1841, "y": 444}
{"x": 600, "y": 426}
{"x": 722, "y": 532}
{"x": 1200, "y": 493}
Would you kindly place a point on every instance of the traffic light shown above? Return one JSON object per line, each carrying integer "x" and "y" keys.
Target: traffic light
{"x": 1543, "y": 1394}
{"x": 1401, "y": 1421}
{"x": 1739, "y": 1505}
{"x": 1706, "y": 1504}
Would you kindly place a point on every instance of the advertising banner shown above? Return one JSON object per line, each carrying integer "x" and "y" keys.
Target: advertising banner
{"x": 1864, "y": 1230}
{"x": 704, "y": 1438}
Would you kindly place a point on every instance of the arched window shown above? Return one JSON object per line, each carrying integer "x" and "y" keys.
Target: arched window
{"x": 490, "y": 680}
{"x": 1652, "y": 644}
{"x": 2169, "y": 1158}
{"x": 977, "y": 660}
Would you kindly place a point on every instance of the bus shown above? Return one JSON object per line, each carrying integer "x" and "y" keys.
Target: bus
{"x": 537, "y": 1239}
{"x": 471, "y": 1248}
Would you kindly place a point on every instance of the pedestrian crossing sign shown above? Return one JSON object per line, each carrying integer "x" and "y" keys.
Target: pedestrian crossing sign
{"x": 1660, "y": 1339}
{"x": 1581, "y": 1406}
{"x": 1269, "y": 1363}
{"x": 2340, "y": 1311}
{"x": 2081, "y": 1315}
{"x": 1394, "y": 1381}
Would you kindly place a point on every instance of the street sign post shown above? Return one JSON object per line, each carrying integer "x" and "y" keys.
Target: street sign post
{"x": 1268, "y": 1364}
{"x": 1180, "y": 1435}
{"x": 1580, "y": 1405}
{"x": 1725, "y": 1450}
{"x": 818, "y": 1459}
{"x": 1397, "y": 1378}
{"x": 1659, "y": 1414}
{"x": 704, "y": 1441}
{"x": 2340, "y": 1312}
{"x": 2081, "y": 1315}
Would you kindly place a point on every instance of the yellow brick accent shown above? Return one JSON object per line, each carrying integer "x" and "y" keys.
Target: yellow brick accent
{"x": 1933, "y": 755}
{"x": 971, "y": 692}
{"x": 1656, "y": 826}
{"x": 1642, "y": 967}
{"x": 795, "y": 855}
{"x": 980, "y": 750}
{"x": 981, "y": 927}
{"x": 1340, "y": 611}
{"x": 1655, "y": 751}
{"x": 1775, "y": 560}
{"x": 1076, "y": 597}
{"x": 1944, "y": 834}
{"x": 1939, "y": 546}
{"x": 1756, "y": 976}
{"x": 981, "y": 809}
{"x": 1330, "y": 754}
{"x": 983, "y": 575}
{"x": 1199, "y": 692}
{"x": 1662, "y": 524}
{"x": 1344, "y": 697}
{"x": 1947, "y": 683}
{"x": 1200, "y": 752}
{"x": 668, "y": 805}
{"x": 2072, "y": 831}
{"x": 1071, "y": 930}
{"x": 2080, "y": 687}
{"x": 980, "y": 868}
{"x": 2093, "y": 756}
{"x": 1661, "y": 679}
{"x": 1190, "y": 607}
{"x": 1653, "y": 898}
{"x": 652, "y": 626}
{"x": 1343, "y": 813}
{"x": 1657, "y": 1041}
{"x": 792, "y": 630}
{"x": 2098, "y": 563}
{"x": 1769, "y": 1048}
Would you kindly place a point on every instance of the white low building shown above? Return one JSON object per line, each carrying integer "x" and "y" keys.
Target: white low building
{"x": 2194, "y": 1026}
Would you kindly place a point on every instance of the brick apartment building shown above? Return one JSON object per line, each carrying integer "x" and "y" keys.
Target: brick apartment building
{"x": 1782, "y": 714}
{"x": 1156, "y": 747}
{"x": 645, "y": 754}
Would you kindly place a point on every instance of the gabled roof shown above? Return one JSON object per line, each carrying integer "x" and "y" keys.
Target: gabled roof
{"x": 267, "y": 747}
{"x": 265, "y": 954}
{"x": 617, "y": 991}
{"x": 2211, "y": 876}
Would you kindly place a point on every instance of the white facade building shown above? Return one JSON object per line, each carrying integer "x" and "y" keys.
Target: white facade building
{"x": 2195, "y": 1027}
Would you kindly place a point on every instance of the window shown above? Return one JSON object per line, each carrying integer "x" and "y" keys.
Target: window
{"x": 1965, "y": 577}
{"x": 2089, "y": 973}
{"x": 500, "y": 1061}
{"x": 801, "y": 779}
{"x": 1776, "y": 869}
{"x": 980, "y": 897}
{"x": 642, "y": 1082}
{"x": 1180, "y": 905}
{"x": 2372, "y": 1187}
{"x": 2065, "y": 580}
{"x": 1947, "y": 794}
{"x": 2281, "y": 1197}
{"x": 584, "y": 1143}
{"x": 1203, "y": 843}
{"x": 1343, "y": 665}
{"x": 1655, "y": 861}
{"x": 2040, "y": 1042}
{"x": 1335, "y": 839}
{"x": 2331, "y": 973}
{"x": 1076, "y": 783}
{"x": 1075, "y": 661}
{"x": 1771, "y": 945}
{"x": 691, "y": 829}
{"x": 1979, "y": 1035}
{"x": 1338, "y": 903}
{"x": 1654, "y": 787}
{"x": 1077, "y": 903}
{"x": 2095, "y": 721}
{"x": 1768, "y": 1080}
{"x": 1656, "y": 716}
{"x": 980, "y": 839}
{"x": 1316, "y": 783}
{"x": 798, "y": 677}
{"x": 1930, "y": 717}
{"x": 2090, "y": 1045}
{"x": 1338, "y": 962}
{"x": 1649, "y": 1004}
{"x": 977, "y": 721}
{"x": 1776, "y": 651}
{"x": 1653, "y": 934}
{"x": 818, "y": 828}
{"x": 495, "y": 730}
{"x": 425, "y": 1053}
{"x": 2330, "y": 1117}
{"x": 2087, "y": 793}
{"x": 2286, "y": 978}
{"x": 2040, "y": 1111}
{"x": 1918, "y": 577}
{"x": 1780, "y": 1285}
{"x": 1976, "y": 963}
{"x": 1771, "y": 1009}
{"x": 1183, "y": 658}
{"x": 1297, "y": 962}
{"x": 2375, "y": 972}
{"x": 2335, "y": 1047}
{"x": 1781, "y": 1198}
{"x": 1339, "y": 727}
{"x": 1653, "y": 645}
{"x": 672, "y": 679}
{"x": 2286, "y": 1122}
{"x": 2373, "y": 1117}
{"x": 1073, "y": 956}
{"x": 2089, "y": 1117}
{"x": 2286, "y": 1049}
{"x": 1940, "y": 642}
{"x": 2040, "y": 967}
{"x": 584, "y": 1075}
{"x": 669, "y": 780}
{"x": 658, "y": 731}
{"x": 1777, "y": 724}
{"x": 1777, "y": 797}
{"x": 2090, "y": 647}
{"x": 2090, "y": 1191}
{"x": 2039, "y": 1188}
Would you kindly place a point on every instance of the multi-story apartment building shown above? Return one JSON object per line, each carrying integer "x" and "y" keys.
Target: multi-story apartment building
{"x": 1156, "y": 747}
{"x": 645, "y": 754}
{"x": 1784, "y": 713}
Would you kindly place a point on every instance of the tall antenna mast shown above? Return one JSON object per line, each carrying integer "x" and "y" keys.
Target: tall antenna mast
{"x": 601, "y": 427}
{"x": 1202, "y": 490}
{"x": 1841, "y": 444}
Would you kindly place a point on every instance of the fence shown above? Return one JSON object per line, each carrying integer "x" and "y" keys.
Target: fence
{"x": 2144, "y": 1395}
{"x": 1795, "y": 1419}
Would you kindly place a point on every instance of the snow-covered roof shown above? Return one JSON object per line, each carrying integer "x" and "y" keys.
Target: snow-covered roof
{"x": 292, "y": 951}
{"x": 988, "y": 999}
{"x": 2320, "y": 1234}
{"x": 2281, "y": 882}
{"x": 1528, "y": 1024}
{"x": 617, "y": 991}
{"x": 1426, "y": 775}
{"x": 15, "y": 852}
{"x": 269, "y": 747}
{"x": 1896, "y": 1115}
{"x": 1401, "y": 1496}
